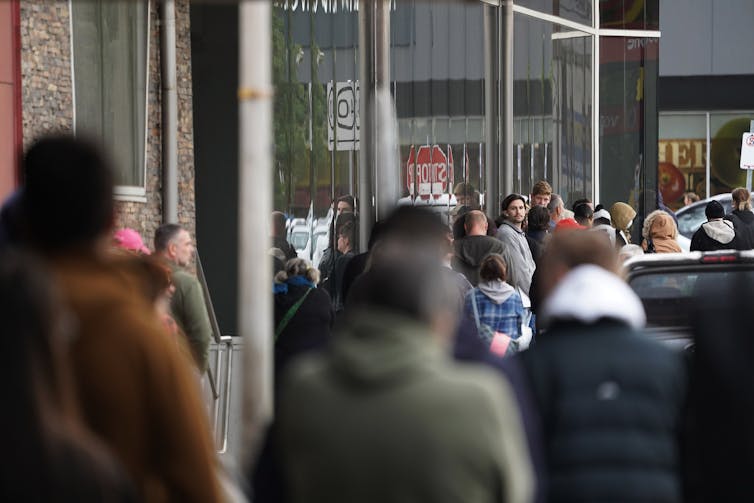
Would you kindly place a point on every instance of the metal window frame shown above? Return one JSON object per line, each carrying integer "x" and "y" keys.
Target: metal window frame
{"x": 596, "y": 33}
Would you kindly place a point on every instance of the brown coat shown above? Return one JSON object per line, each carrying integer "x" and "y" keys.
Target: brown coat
{"x": 136, "y": 391}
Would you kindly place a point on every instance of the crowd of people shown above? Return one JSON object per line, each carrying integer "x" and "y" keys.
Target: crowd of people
{"x": 499, "y": 360}
{"x": 490, "y": 360}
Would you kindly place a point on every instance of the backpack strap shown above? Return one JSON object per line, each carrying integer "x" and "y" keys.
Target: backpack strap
{"x": 476, "y": 309}
{"x": 290, "y": 314}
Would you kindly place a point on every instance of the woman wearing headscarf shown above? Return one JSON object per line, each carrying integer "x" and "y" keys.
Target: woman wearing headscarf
{"x": 622, "y": 216}
{"x": 659, "y": 233}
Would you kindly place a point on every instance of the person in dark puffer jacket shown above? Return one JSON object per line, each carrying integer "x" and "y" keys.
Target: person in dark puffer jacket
{"x": 742, "y": 218}
{"x": 609, "y": 397}
{"x": 715, "y": 233}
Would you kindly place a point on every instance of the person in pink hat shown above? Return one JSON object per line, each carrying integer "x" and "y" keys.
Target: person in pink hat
{"x": 129, "y": 239}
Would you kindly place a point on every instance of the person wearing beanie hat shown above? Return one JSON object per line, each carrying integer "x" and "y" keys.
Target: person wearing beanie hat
{"x": 130, "y": 240}
{"x": 742, "y": 218}
{"x": 659, "y": 233}
{"x": 622, "y": 216}
{"x": 715, "y": 233}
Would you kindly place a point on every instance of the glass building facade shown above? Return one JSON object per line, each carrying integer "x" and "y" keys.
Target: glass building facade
{"x": 583, "y": 114}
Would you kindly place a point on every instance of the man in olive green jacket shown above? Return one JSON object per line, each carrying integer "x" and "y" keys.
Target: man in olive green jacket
{"x": 385, "y": 415}
{"x": 187, "y": 305}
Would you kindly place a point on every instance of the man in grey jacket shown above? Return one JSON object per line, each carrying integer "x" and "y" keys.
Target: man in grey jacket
{"x": 517, "y": 253}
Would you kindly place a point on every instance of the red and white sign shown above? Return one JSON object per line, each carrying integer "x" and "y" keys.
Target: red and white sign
{"x": 433, "y": 170}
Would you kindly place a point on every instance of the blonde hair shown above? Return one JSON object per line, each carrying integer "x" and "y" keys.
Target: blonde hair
{"x": 297, "y": 267}
{"x": 741, "y": 199}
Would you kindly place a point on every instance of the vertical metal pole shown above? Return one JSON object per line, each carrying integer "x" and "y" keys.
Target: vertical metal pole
{"x": 748, "y": 171}
{"x": 374, "y": 57}
{"x": 596, "y": 175}
{"x": 707, "y": 164}
{"x": 387, "y": 157}
{"x": 491, "y": 116}
{"x": 169, "y": 115}
{"x": 255, "y": 205}
{"x": 507, "y": 100}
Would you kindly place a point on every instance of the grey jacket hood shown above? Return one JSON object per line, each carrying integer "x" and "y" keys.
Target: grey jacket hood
{"x": 719, "y": 230}
{"x": 498, "y": 291}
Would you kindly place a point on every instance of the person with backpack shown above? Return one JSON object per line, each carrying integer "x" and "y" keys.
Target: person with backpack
{"x": 497, "y": 308}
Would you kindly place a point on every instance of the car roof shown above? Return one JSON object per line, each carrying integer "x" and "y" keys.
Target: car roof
{"x": 659, "y": 260}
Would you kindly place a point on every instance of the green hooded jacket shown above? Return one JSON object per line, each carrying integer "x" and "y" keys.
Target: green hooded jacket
{"x": 387, "y": 416}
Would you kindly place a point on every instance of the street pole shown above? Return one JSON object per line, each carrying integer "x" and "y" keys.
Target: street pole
{"x": 255, "y": 94}
{"x": 748, "y": 171}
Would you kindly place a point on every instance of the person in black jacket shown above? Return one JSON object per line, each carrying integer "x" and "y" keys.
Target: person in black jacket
{"x": 715, "y": 233}
{"x": 303, "y": 321}
{"x": 742, "y": 218}
{"x": 610, "y": 398}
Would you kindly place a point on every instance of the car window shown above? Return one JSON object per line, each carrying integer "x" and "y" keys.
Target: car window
{"x": 299, "y": 240}
{"x": 669, "y": 297}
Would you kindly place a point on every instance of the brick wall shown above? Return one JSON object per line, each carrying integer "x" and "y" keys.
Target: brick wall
{"x": 147, "y": 217}
{"x": 47, "y": 97}
{"x": 46, "y": 92}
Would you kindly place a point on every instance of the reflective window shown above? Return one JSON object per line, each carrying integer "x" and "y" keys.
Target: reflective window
{"x": 628, "y": 123}
{"x": 726, "y": 131}
{"x": 682, "y": 156}
{"x": 630, "y": 14}
{"x": 552, "y": 108}
{"x": 579, "y": 11}
{"x": 437, "y": 59}
{"x": 110, "y": 64}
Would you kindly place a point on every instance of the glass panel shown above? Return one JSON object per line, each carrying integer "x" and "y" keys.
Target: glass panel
{"x": 579, "y": 11}
{"x": 628, "y": 124}
{"x": 437, "y": 57}
{"x": 552, "y": 109}
{"x": 726, "y": 130}
{"x": 682, "y": 156}
{"x": 630, "y": 14}
{"x": 311, "y": 50}
{"x": 109, "y": 46}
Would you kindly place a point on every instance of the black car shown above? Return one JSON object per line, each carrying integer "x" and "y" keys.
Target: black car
{"x": 669, "y": 285}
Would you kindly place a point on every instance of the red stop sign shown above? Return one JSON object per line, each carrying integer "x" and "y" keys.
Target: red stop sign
{"x": 432, "y": 170}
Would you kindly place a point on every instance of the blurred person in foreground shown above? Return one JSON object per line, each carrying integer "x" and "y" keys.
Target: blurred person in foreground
{"x": 660, "y": 233}
{"x": 720, "y": 449}
{"x": 49, "y": 454}
{"x": 388, "y": 415}
{"x": 610, "y": 398}
{"x": 742, "y": 218}
{"x": 716, "y": 233}
{"x": 136, "y": 392}
{"x": 174, "y": 245}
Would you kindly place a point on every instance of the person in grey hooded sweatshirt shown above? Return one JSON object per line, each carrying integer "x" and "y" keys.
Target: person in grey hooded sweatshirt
{"x": 497, "y": 304}
{"x": 715, "y": 233}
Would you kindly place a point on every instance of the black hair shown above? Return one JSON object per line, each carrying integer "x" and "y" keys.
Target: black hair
{"x": 509, "y": 199}
{"x": 68, "y": 193}
{"x": 538, "y": 218}
{"x": 577, "y": 202}
{"x": 582, "y": 211}
{"x": 164, "y": 235}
